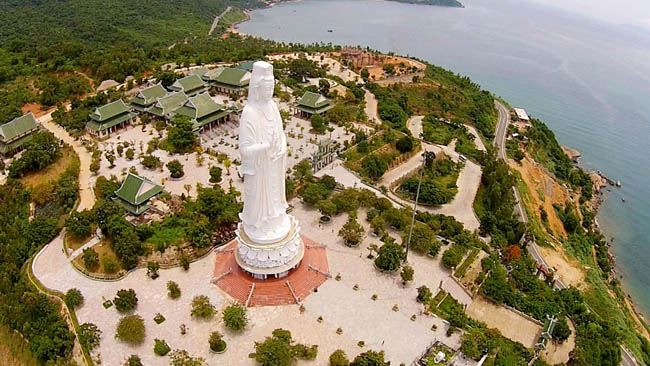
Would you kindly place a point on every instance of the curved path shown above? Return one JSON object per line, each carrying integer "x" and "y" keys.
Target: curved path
{"x": 86, "y": 196}
{"x": 469, "y": 179}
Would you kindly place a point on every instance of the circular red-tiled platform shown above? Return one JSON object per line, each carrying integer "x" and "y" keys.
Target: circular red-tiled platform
{"x": 269, "y": 292}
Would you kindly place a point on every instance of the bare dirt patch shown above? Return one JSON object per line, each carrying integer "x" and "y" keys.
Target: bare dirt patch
{"x": 569, "y": 270}
{"x": 538, "y": 182}
{"x": 504, "y": 319}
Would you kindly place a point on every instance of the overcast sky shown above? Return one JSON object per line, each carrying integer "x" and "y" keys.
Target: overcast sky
{"x": 633, "y": 12}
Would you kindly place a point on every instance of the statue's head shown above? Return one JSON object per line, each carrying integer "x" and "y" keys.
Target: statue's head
{"x": 262, "y": 82}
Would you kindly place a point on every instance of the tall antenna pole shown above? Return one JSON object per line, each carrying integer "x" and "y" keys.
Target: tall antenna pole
{"x": 415, "y": 210}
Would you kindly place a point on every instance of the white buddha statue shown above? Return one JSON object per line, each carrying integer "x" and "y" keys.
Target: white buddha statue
{"x": 263, "y": 148}
{"x": 269, "y": 240}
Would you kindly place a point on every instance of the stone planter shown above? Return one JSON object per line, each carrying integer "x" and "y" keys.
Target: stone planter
{"x": 222, "y": 351}
{"x": 325, "y": 220}
{"x": 383, "y": 270}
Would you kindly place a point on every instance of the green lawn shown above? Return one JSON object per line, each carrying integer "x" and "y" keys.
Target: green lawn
{"x": 460, "y": 271}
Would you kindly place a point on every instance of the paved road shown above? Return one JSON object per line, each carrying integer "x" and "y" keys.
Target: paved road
{"x": 502, "y": 129}
{"x": 627, "y": 358}
{"x": 216, "y": 20}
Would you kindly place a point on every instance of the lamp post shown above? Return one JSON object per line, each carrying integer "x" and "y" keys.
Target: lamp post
{"x": 415, "y": 209}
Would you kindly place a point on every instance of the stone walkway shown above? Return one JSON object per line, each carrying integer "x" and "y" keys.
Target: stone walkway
{"x": 86, "y": 195}
{"x": 80, "y": 251}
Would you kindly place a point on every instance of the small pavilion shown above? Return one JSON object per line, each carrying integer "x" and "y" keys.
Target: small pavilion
{"x": 110, "y": 118}
{"x": 17, "y": 132}
{"x": 191, "y": 85}
{"x": 147, "y": 97}
{"x": 313, "y": 103}
{"x": 135, "y": 192}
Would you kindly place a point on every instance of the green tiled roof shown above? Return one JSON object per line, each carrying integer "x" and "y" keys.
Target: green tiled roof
{"x": 204, "y": 105}
{"x": 212, "y": 75}
{"x": 188, "y": 84}
{"x": 109, "y": 111}
{"x": 168, "y": 104}
{"x": 200, "y": 72}
{"x": 248, "y": 66}
{"x": 137, "y": 190}
{"x": 209, "y": 118}
{"x": 106, "y": 124}
{"x": 233, "y": 77}
{"x": 313, "y": 100}
{"x": 5, "y": 148}
{"x": 17, "y": 127}
{"x": 149, "y": 95}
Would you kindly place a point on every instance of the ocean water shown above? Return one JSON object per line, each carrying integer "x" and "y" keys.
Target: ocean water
{"x": 588, "y": 80}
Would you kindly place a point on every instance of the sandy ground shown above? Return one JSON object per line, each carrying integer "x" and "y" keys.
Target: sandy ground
{"x": 637, "y": 319}
{"x": 87, "y": 198}
{"x": 559, "y": 353}
{"x": 538, "y": 181}
{"x": 569, "y": 270}
{"x": 512, "y": 325}
{"x": 473, "y": 270}
{"x": 377, "y": 325}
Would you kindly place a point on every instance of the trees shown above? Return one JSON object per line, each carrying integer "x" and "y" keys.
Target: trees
{"x": 318, "y": 123}
{"x": 90, "y": 259}
{"x": 326, "y": 207}
{"x": 202, "y": 308}
{"x": 561, "y": 332}
{"x": 152, "y": 269}
{"x": 370, "y": 358}
{"x": 151, "y": 162}
{"x": 175, "y": 169}
{"x": 40, "y": 152}
{"x": 390, "y": 256}
{"x": 324, "y": 87}
{"x": 453, "y": 255}
{"x": 234, "y": 316}
{"x": 423, "y": 240}
{"x": 180, "y": 357}
{"x": 89, "y": 335}
{"x": 405, "y": 144}
{"x": 133, "y": 360}
{"x": 217, "y": 344}
{"x": 215, "y": 174}
{"x": 131, "y": 329}
{"x": 424, "y": 294}
{"x": 180, "y": 135}
{"x": 279, "y": 350}
{"x": 74, "y": 298}
{"x": 78, "y": 223}
{"x": 375, "y": 165}
{"x": 407, "y": 274}
{"x": 339, "y": 358}
{"x": 160, "y": 347}
{"x": 126, "y": 300}
{"x": 129, "y": 154}
{"x": 173, "y": 291}
{"x": 352, "y": 232}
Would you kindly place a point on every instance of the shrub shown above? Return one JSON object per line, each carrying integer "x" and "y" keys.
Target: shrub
{"x": 151, "y": 162}
{"x": 352, "y": 232}
{"x": 234, "y": 316}
{"x": 407, "y": 274}
{"x": 161, "y": 347}
{"x": 561, "y": 332}
{"x": 133, "y": 360}
{"x": 180, "y": 357}
{"x": 279, "y": 350}
{"x": 89, "y": 335}
{"x": 126, "y": 300}
{"x": 129, "y": 154}
{"x": 202, "y": 308}
{"x": 152, "y": 269}
{"x": 90, "y": 259}
{"x": 217, "y": 344}
{"x": 175, "y": 169}
{"x": 131, "y": 329}
{"x": 370, "y": 358}
{"x": 74, "y": 298}
{"x": 78, "y": 223}
{"x": 390, "y": 256}
{"x": 339, "y": 358}
{"x": 405, "y": 144}
{"x": 173, "y": 291}
{"x": 452, "y": 256}
{"x": 424, "y": 294}
{"x": 215, "y": 174}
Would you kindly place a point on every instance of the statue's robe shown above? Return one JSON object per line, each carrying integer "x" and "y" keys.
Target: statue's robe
{"x": 264, "y": 214}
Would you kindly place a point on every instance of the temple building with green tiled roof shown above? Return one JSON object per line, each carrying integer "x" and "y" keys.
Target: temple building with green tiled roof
{"x": 135, "y": 192}
{"x": 228, "y": 80}
{"x": 147, "y": 97}
{"x": 109, "y": 118}
{"x": 313, "y": 103}
{"x": 164, "y": 107}
{"x": 15, "y": 133}
{"x": 191, "y": 85}
{"x": 203, "y": 112}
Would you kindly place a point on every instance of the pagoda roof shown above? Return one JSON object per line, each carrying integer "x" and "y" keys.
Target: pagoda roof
{"x": 17, "y": 127}
{"x": 137, "y": 190}
{"x": 109, "y": 111}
